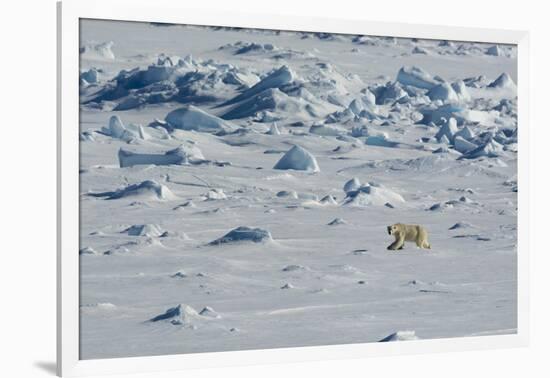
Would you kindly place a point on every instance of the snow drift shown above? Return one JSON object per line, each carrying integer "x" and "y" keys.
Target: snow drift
{"x": 400, "y": 336}
{"x": 187, "y": 153}
{"x": 181, "y": 314}
{"x": 97, "y": 51}
{"x": 150, "y": 230}
{"x": 372, "y": 195}
{"x": 243, "y": 234}
{"x": 149, "y": 190}
{"x": 416, "y": 77}
{"x": 192, "y": 118}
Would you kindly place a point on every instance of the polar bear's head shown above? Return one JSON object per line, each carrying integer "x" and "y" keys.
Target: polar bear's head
{"x": 393, "y": 229}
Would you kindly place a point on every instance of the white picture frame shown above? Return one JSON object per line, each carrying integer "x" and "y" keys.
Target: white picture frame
{"x": 172, "y": 11}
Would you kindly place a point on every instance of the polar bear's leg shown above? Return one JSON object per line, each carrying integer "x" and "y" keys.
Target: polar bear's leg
{"x": 398, "y": 243}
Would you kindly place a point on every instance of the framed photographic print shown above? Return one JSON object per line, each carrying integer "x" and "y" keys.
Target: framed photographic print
{"x": 241, "y": 188}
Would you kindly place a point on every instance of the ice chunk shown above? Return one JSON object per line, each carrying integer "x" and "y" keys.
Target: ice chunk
{"x": 466, "y": 133}
{"x": 90, "y": 76}
{"x": 494, "y": 51}
{"x": 215, "y": 194}
{"x": 443, "y": 92}
{"x": 491, "y": 148}
{"x": 117, "y": 129}
{"x": 462, "y": 145}
{"x": 274, "y": 130}
{"x": 461, "y": 91}
{"x": 352, "y": 184}
{"x": 503, "y": 81}
{"x": 448, "y": 129}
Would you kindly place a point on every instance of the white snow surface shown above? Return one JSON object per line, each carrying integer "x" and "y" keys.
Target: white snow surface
{"x": 304, "y": 259}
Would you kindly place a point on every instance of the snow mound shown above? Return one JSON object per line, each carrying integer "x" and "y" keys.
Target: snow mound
{"x": 148, "y": 189}
{"x": 420, "y": 50}
{"x": 372, "y": 195}
{"x": 179, "y": 274}
{"x": 180, "y": 315}
{"x": 400, "y": 336}
{"x": 150, "y": 230}
{"x": 90, "y": 76}
{"x": 95, "y": 308}
{"x": 215, "y": 194}
{"x": 265, "y": 106}
{"x": 97, "y": 51}
{"x": 503, "y": 81}
{"x": 352, "y": 185}
{"x": 299, "y": 159}
{"x": 416, "y": 77}
{"x": 337, "y": 221}
{"x": 209, "y": 313}
{"x": 87, "y": 251}
{"x": 117, "y": 129}
{"x": 293, "y": 268}
{"x": 187, "y": 153}
{"x": 275, "y": 79}
{"x": 190, "y": 117}
{"x": 188, "y": 204}
{"x": 328, "y": 200}
{"x": 287, "y": 194}
{"x": 380, "y": 140}
{"x": 245, "y": 48}
{"x": 244, "y": 234}
{"x": 460, "y": 225}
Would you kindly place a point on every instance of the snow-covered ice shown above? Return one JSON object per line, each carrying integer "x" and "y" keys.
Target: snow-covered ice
{"x": 236, "y": 188}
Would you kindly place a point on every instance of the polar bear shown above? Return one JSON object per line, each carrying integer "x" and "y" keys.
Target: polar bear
{"x": 408, "y": 232}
